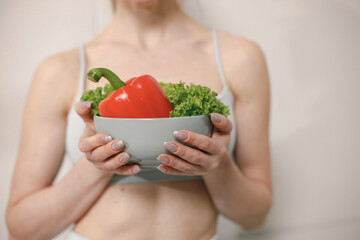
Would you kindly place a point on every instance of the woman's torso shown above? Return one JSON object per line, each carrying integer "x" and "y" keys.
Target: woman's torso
{"x": 157, "y": 208}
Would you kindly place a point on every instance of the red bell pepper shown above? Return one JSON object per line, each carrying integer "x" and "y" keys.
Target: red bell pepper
{"x": 140, "y": 97}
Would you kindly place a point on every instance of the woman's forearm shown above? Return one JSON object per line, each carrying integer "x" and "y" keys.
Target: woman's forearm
{"x": 237, "y": 197}
{"x": 45, "y": 213}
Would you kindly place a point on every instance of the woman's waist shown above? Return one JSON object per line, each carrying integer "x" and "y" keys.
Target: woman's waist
{"x": 158, "y": 208}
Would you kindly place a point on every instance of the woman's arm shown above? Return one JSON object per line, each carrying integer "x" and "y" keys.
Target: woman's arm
{"x": 37, "y": 209}
{"x": 243, "y": 192}
{"x": 45, "y": 212}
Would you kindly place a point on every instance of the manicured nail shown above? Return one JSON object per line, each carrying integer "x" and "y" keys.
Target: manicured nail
{"x": 124, "y": 158}
{"x": 169, "y": 146}
{"x": 86, "y": 105}
{"x": 161, "y": 168}
{"x": 216, "y": 117}
{"x": 163, "y": 159}
{"x": 117, "y": 145}
{"x": 106, "y": 139}
{"x": 136, "y": 169}
{"x": 180, "y": 135}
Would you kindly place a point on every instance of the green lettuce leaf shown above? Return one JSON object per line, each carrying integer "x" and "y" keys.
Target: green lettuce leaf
{"x": 193, "y": 100}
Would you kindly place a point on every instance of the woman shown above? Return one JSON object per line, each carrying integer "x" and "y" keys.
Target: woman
{"x": 110, "y": 200}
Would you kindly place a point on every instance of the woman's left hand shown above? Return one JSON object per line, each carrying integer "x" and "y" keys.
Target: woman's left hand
{"x": 211, "y": 150}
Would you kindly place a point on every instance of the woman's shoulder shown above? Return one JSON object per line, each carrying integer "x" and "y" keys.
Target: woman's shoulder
{"x": 59, "y": 71}
{"x": 244, "y": 62}
{"x": 239, "y": 50}
{"x": 64, "y": 63}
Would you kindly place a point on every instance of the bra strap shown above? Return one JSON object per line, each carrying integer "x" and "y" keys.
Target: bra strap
{"x": 82, "y": 74}
{"x": 217, "y": 57}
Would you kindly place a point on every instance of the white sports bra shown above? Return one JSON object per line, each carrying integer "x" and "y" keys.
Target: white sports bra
{"x": 75, "y": 126}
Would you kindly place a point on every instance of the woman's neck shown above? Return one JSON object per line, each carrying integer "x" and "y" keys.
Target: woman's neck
{"x": 145, "y": 25}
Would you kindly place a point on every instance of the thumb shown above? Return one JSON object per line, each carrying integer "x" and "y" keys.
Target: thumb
{"x": 221, "y": 123}
{"x": 84, "y": 111}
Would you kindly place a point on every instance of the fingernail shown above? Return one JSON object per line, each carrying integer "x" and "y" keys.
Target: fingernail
{"x": 124, "y": 158}
{"x": 136, "y": 169}
{"x": 86, "y": 105}
{"x": 163, "y": 159}
{"x": 215, "y": 117}
{"x": 161, "y": 168}
{"x": 117, "y": 145}
{"x": 169, "y": 146}
{"x": 105, "y": 139}
{"x": 180, "y": 135}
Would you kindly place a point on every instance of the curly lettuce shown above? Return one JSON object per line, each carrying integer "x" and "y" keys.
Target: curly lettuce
{"x": 187, "y": 100}
{"x": 193, "y": 100}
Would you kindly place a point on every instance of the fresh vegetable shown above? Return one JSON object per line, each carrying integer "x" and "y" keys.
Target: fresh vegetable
{"x": 187, "y": 100}
{"x": 193, "y": 100}
{"x": 140, "y": 97}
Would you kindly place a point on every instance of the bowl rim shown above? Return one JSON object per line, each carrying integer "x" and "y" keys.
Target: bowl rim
{"x": 153, "y": 119}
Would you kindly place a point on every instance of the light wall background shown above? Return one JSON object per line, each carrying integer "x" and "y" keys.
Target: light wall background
{"x": 313, "y": 54}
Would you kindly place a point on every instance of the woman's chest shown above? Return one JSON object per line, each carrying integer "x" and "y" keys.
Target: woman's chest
{"x": 189, "y": 65}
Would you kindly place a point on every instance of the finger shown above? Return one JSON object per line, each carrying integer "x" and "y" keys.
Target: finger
{"x": 84, "y": 111}
{"x": 222, "y": 123}
{"x": 200, "y": 141}
{"x": 172, "y": 171}
{"x": 128, "y": 170}
{"x": 101, "y": 153}
{"x": 194, "y": 156}
{"x": 114, "y": 162}
{"x": 180, "y": 164}
{"x": 88, "y": 144}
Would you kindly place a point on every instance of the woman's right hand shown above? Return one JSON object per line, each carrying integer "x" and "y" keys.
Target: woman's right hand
{"x": 100, "y": 149}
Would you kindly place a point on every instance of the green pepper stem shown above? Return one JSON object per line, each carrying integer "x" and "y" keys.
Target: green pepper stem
{"x": 96, "y": 74}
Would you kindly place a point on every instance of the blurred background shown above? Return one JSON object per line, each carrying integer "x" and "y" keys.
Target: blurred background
{"x": 313, "y": 54}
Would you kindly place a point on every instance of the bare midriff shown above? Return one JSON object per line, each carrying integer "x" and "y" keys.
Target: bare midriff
{"x": 158, "y": 210}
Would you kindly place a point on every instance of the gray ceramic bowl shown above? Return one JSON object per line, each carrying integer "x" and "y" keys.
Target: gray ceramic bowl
{"x": 144, "y": 137}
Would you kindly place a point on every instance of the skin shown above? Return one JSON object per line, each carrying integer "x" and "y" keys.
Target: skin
{"x": 162, "y": 41}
